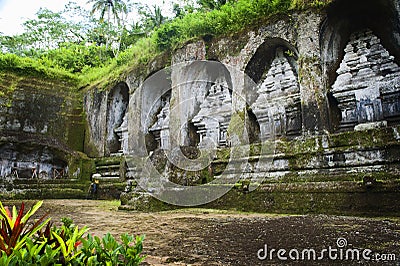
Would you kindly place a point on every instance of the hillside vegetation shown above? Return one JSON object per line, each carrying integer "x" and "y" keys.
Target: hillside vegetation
{"x": 88, "y": 65}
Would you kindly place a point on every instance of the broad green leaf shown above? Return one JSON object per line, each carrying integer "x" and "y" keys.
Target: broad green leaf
{"x": 62, "y": 244}
{"x": 31, "y": 211}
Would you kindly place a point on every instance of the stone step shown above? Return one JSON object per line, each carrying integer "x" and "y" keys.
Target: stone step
{"x": 109, "y": 174}
{"x": 111, "y": 166}
{"x": 109, "y": 177}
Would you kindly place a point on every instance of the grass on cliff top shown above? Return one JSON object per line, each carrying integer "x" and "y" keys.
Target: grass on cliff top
{"x": 232, "y": 17}
{"x": 133, "y": 58}
{"x": 26, "y": 66}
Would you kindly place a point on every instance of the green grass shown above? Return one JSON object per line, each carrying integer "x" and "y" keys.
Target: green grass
{"x": 32, "y": 67}
{"x": 138, "y": 55}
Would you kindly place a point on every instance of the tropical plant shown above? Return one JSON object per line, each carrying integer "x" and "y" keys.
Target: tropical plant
{"x": 13, "y": 231}
{"x": 111, "y": 7}
{"x": 211, "y": 4}
{"x": 113, "y": 30}
{"x": 152, "y": 17}
{"x": 60, "y": 246}
{"x": 69, "y": 245}
{"x": 131, "y": 253}
{"x": 33, "y": 254}
{"x": 107, "y": 251}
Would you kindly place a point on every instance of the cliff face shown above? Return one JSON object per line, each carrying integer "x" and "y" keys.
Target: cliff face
{"x": 322, "y": 87}
{"x": 302, "y": 75}
{"x": 314, "y": 96}
{"x": 41, "y": 126}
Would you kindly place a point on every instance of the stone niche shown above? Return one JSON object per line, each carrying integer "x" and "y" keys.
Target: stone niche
{"x": 123, "y": 135}
{"x": 367, "y": 88}
{"x": 29, "y": 161}
{"x": 278, "y": 106}
{"x": 160, "y": 128}
{"x": 117, "y": 129}
{"x": 213, "y": 119}
{"x": 360, "y": 42}
{"x": 202, "y": 102}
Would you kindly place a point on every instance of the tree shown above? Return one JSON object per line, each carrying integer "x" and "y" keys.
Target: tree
{"x": 152, "y": 18}
{"x": 45, "y": 32}
{"x": 182, "y": 7}
{"x": 85, "y": 22}
{"x": 111, "y": 7}
{"x": 211, "y": 4}
{"x": 132, "y": 35}
{"x": 114, "y": 8}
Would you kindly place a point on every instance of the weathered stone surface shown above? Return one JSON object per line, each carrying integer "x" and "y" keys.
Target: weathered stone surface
{"x": 105, "y": 112}
{"x": 214, "y": 116}
{"x": 315, "y": 89}
{"x": 160, "y": 128}
{"x": 41, "y": 127}
{"x": 368, "y": 84}
{"x": 95, "y": 103}
{"x": 118, "y": 100}
{"x": 277, "y": 107}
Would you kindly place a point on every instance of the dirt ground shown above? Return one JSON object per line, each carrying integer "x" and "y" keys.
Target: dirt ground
{"x": 210, "y": 237}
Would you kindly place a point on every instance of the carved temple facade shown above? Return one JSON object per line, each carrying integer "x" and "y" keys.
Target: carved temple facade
{"x": 214, "y": 116}
{"x": 368, "y": 84}
{"x": 309, "y": 81}
{"x": 278, "y": 107}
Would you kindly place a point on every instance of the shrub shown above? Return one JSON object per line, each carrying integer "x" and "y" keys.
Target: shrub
{"x": 14, "y": 230}
{"x": 107, "y": 251}
{"x": 231, "y": 17}
{"x": 66, "y": 245}
{"x": 33, "y": 67}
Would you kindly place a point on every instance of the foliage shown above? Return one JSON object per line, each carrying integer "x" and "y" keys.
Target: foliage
{"x": 100, "y": 52}
{"x": 32, "y": 67}
{"x": 139, "y": 54}
{"x": 152, "y": 17}
{"x": 13, "y": 231}
{"x": 303, "y": 4}
{"x": 111, "y": 7}
{"x": 32, "y": 254}
{"x": 107, "y": 251}
{"x": 45, "y": 32}
{"x": 76, "y": 57}
{"x": 66, "y": 245}
{"x": 211, "y": 4}
{"x": 56, "y": 42}
{"x": 225, "y": 18}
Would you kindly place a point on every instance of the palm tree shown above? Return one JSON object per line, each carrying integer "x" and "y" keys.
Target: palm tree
{"x": 157, "y": 17}
{"x": 112, "y": 8}
{"x": 153, "y": 18}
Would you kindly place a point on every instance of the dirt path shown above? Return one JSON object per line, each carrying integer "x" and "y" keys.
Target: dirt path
{"x": 209, "y": 237}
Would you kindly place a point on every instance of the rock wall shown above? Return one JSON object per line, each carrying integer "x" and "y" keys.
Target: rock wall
{"x": 105, "y": 112}
{"x": 41, "y": 127}
{"x": 322, "y": 86}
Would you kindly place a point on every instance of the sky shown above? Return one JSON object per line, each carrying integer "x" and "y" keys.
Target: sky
{"x": 14, "y": 12}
